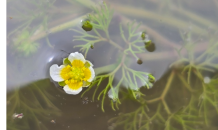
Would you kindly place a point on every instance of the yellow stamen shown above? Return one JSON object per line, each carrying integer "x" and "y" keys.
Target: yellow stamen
{"x": 64, "y": 72}
{"x": 75, "y": 76}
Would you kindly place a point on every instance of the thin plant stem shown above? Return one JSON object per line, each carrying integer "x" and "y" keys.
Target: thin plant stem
{"x": 170, "y": 79}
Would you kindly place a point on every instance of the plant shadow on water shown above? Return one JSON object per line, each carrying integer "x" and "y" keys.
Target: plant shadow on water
{"x": 173, "y": 86}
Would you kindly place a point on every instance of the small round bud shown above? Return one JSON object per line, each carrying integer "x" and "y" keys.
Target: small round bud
{"x": 86, "y": 25}
{"x": 143, "y": 35}
{"x": 150, "y": 46}
{"x": 139, "y": 61}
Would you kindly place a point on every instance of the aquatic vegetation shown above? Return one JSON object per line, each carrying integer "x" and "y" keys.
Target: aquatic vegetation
{"x": 36, "y": 104}
{"x": 130, "y": 78}
{"x": 197, "y": 65}
{"x": 208, "y": 98}
{"x": 23, "y": 45}
{"x": 203, "y": 62}
{"x": 143, "y": 35}
{"x": 190, "y": 114}
{"x": 86, "y": 25}
{"x": 184, "y": 98}
{"x": 99, "y": 21}
{"x": 26, "y": 14}
{"x": 150, "y": 46}
{"x": 139, "y": 61}
{"x": 74, "y": 74}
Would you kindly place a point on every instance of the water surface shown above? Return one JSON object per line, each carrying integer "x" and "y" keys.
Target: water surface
{"x": 178, "y": 99}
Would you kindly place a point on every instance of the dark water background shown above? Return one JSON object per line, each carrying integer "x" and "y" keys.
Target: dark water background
{"x": 31, "y": 91}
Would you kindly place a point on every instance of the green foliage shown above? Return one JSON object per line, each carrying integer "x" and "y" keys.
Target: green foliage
{"x": 139, "y": 119}
{"x": 192, "y": 115}
{"x": 183, "y": 120}
{"x": 142, "y": 119}
{"x": 36, "y": 108}
{"x": 23, "y": 45}
{"x": 130, "y": 78}
{"x": 203, "y": 62}
{"x": 132, "y": 39}
{"x": 197, "y": 66}
{"x": 201, "y": 90}
{"x": 26, "y": 13}
{"x": 102, "y": 17}
{"x": 143, "y": 35}
{"x": 100, "y": 20}
{"x": 208, "y": 99}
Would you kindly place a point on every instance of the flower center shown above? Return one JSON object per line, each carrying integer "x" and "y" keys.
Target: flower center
{"x": 75, "y": 75}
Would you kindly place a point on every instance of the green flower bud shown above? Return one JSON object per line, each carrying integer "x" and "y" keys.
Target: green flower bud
{"x": 86, "y": 25}
{"x": 143, "y": 35}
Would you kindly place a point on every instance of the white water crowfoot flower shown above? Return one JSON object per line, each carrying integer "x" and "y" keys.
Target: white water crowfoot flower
{"x": 75, "y": 73}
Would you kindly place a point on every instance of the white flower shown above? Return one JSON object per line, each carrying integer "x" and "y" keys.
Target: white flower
{"x": 75, "y": 75}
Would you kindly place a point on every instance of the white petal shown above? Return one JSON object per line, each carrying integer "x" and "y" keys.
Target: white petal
{"x": 90, "y": 63}
{"x": 55, "y": 72}
{"x": 76, "y": 56}
{"x": 71, "y": 91}
{"x": 92, "y": 74}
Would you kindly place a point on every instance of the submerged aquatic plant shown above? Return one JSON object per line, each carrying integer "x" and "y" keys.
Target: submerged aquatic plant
{"x": 200, "y": 93}
{"x": 197, "y": 65}
{"x": 35, "y": 102}
{"x": 23, "y": 45}
{"x": 86, "y": 25}
{"x": 100, "y": 22}
{"x": 25, "y": 14}
{"x": 208, "y": 98}
{"x": 168, "y": 111}
{"x": 203, "y": 62}
{"x": 130, "y": 78}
